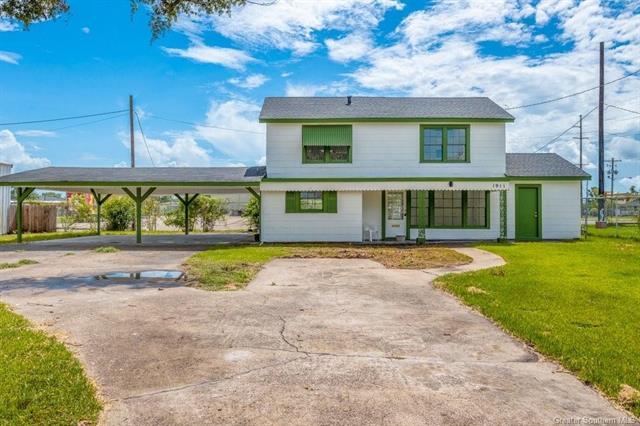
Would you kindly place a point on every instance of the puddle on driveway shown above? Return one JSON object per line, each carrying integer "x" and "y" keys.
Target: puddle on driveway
{"x": 170, "y": 275}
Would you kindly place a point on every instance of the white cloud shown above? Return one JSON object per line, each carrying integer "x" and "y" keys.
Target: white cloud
{"x": 246, "y": 146}
{"x": 293, "y": 89}
{"x": 36, "y": 133}
{"x": 624, "y": 148}
{"x": 86, "y": 30}
{"x": 224, "y": 56}
{"x": 351, "y": 47}
{"x": 7, "y": 26}
{"x": 250, "y": 82}
{"x": 437, "y": 53}
{"x": 292, "y": 24}
{"x": 180, "y": 150}
{"x": 9, "y": 57}
{"x": 628, "y": 182}
{"x": 13, "y": 152}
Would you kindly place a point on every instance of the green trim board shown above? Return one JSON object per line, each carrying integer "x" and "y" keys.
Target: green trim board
{"x": 388, "y": 120}
{"x": 444, "y": 128}
{"x": 383, "y": 224}
{"x": 522, "y": 202}
{"x": 422, "y": 179}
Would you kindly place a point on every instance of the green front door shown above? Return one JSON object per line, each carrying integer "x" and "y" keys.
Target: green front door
{"x": 527, "y": 212}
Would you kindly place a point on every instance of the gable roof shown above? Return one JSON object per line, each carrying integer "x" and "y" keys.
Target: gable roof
{"x": 542, "y": 165}
{"x": 372, "y": 108}
{"x": 141, "y": 175}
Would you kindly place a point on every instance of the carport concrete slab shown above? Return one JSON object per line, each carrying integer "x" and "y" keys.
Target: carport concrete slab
{"x": 158, "y": 241}
{"x": 309, "y": 341}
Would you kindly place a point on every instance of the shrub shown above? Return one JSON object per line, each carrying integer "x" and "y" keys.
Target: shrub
{"x": 119, "y": 213}
{"x": 205, "y": 209}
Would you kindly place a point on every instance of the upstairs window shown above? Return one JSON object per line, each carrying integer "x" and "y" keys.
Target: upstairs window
{"x": 326, "y": 144}
{"x": 444, "y": 143}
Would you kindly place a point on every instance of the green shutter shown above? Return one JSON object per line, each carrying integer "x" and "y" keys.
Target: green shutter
{"x": 330, "y": 201}
{"x": 292, "y": 202}
{"x": 326, "y": 135}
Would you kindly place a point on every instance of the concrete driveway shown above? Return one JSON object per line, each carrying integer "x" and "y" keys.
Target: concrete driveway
{"x": 310, "y": 341}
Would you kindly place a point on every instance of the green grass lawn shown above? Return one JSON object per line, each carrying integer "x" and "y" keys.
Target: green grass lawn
{"x": 232, "y": 267}
{"x": 577, "y": 302}
{"x": 45, "y": 236}
{"x": 627, "y": 231}
{"x": 40, "y": 380}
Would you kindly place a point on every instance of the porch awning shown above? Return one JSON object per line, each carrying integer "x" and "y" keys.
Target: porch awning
{"x": 334, "y": 135}
{"x": 453, "y": 185}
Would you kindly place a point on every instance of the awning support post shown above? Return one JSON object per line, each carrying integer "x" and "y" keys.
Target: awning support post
{"x": 503, "y": 216}
{"x": 21, "y": 195}
{"x": 253, "y": 192}
{"x": 99, "y": 202}
{"x": 422, "y": 217}
{"x": 139, "y": 198}
{"x": 186, "y": 201}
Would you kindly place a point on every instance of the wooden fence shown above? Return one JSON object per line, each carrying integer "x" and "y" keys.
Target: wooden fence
{"x": 35, "y": 218}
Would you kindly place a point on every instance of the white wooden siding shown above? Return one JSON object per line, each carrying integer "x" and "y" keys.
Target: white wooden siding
{"x": 560, "y": 209}
{"x": 278, "y": 226}
{"x": 386, "y": 150}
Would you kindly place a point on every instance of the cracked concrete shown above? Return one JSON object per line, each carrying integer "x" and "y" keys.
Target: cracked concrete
{"x": 332, "y": 342}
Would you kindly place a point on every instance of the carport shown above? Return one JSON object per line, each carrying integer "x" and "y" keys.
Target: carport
{"x": 186, "y": 183}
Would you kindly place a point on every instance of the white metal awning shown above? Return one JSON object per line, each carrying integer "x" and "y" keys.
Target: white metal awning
{"x": 452, "y": 185}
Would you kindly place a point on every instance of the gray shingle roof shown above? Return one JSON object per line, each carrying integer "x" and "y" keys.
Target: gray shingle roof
{"x": 168, "y": 175}
{"x": 314, "y": 108}
{"x": 542, "y": 165}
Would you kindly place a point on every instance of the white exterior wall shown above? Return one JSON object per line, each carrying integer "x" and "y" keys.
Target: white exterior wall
{"x": 386, "y": 150}
{"x": 560, "y": 209}
{"x": 343, "y": 226}
{"x": 5, "y": 200}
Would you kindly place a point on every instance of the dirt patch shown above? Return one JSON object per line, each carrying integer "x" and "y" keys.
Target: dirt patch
{"x": 405, "y": 257}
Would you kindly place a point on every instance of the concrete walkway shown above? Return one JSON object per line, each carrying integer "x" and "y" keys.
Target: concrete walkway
{"x": 310, "y": 341}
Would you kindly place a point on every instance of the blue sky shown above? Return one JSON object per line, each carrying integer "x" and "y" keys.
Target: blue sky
{"x": 215, "y": 71}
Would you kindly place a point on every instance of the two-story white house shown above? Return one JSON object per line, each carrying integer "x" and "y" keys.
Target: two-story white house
{"x": 359, "y": 168}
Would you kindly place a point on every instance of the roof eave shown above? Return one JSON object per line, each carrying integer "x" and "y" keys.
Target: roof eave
{"x": 386, "y": 119}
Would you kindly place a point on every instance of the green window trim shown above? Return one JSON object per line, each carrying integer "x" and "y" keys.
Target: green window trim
{"x": 431, "y": 212}
{"x": 293, "y": 202}
{"x": 445, "y": 130}
{"x": 326, "y": 137}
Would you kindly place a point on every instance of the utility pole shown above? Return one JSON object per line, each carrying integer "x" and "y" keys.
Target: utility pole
{"x": 612, "y": 172}
{"x": 601, "y": 219}
{"x": 133, "y": 146}
{"x": 580, "y": 163}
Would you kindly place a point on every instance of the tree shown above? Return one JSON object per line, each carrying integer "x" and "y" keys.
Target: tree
{"x": 252, "y": 214}
{"x": 151, "y": 211}
{"x": 163, "y": 13}
{"x": 175, "y": 217}
{"x": 633, "y": 190}
{"x": 211, "y": 210}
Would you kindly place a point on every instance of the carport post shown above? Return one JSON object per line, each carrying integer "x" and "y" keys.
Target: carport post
{"x": 99, "y": 202}
{"x": 186, "y": 202}
{"x": 139, "y": 198}
{"x": 253, "y": 192}
{"x": 21, "y": 195}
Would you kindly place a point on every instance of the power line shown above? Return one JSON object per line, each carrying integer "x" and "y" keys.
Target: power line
{"x": 87, "y": 123}
{"x": 623, "y": 109}
{"x": 565, "y": 131}
{"x": 144, "y": 138}
{"x": 205, "y": 125}
{"x": 48, "y": 120}
{"x": 573, "y": 94}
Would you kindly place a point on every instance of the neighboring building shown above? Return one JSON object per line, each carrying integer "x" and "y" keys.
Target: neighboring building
{"x": 5, "y": 199}
{"x": 346, "y": 169}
